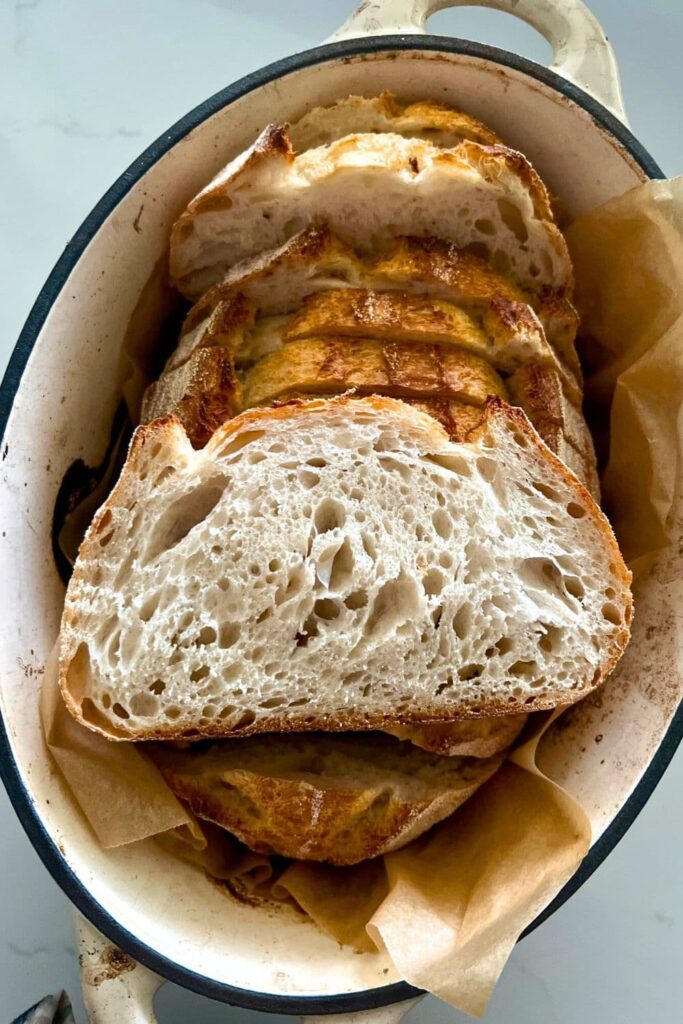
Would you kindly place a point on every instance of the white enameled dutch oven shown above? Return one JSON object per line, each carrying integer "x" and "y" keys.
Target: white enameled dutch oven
{"x": 57, "y": 404}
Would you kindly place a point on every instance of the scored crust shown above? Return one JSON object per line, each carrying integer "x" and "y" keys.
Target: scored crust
{"x": 340, "y": 798}
{"x": 315, "y": 261}
{"x": 391, "y": 343}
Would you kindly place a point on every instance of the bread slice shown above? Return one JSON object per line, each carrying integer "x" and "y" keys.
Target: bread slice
{"x": 474, "y": 737}
{"x": 203, "y": 393}
{"x": 371, "y": 189}
{"x": 339, "y": 565}
{"x": 335, "y": 365}
{"x": 339, "y": 798}
{"x": 429, "y": 120}
{"x": 315, "y": 261}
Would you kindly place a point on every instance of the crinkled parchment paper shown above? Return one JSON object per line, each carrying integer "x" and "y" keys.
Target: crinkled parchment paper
{"x": 449, "y": 907}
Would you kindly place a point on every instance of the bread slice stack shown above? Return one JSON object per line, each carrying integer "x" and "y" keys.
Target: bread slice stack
{"x": 354, "y": 542}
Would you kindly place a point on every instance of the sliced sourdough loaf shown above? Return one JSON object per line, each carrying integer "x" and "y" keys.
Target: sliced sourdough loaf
{"x": 315, "y": 261}
{"x": 389, "y": 343}
{"x": 371, "y": 189}
{"x": 339, "y": 798}
{"x": 430, "y": 120}
{"x": 219, "y": 592}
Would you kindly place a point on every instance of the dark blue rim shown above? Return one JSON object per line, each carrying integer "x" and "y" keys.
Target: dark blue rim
{"x": 18, "y": 794}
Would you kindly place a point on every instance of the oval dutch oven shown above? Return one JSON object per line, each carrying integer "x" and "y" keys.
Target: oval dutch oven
{"x": 57, "y": 404}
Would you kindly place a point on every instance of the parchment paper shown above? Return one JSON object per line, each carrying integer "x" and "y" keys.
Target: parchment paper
{"x": 449, "y": 907}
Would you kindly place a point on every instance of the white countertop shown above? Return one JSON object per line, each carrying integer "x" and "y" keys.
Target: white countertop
{"x": 85, "y": 87}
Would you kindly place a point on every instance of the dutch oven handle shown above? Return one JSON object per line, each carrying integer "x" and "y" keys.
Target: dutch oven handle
{"x": 118, "y": 990}
{"x": 581, "y": 51}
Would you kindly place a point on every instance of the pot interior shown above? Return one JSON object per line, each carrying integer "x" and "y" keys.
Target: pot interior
{"x": 63, "y": 411}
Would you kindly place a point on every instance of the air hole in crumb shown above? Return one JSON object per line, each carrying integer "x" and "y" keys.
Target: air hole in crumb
{"x": 611, "y": 613}
{"x": 158, "y": 686}
{"x": 396, "y": 602}
{"x": 503, "y": 645}
{"x": 447, "y": 685}
{"x": 119, "y": 710}
{"x": 442, "y": 523}
{"x": 462, "y": 621}
{"x": 246, "y": 718}
{"x": 394, "y": 466}
{"x": 470, "y": 672}
{"x": 228, "y": 634}
{"x": 548, "y": 492}
{"x": 433, "y": 582}
{"x": 369, "y": 545}
{"x": 329, "y": 515}
{"x": 310, "y": 630}
{"x": 165, "y": 473}
{"x": 487, "y": 468}
{"x": 241, "y": 441}
{"x": 512, "y": 218}
{"x": 182, "y": 516}
{"x": 485, "y": 226}
{"x": 207, "y": 635}
{"x": 357, "y": 599}
{"x": 575, "y": 510}
{"x": 308, "y": 478}
{"x": 326, "y": 608}
{"x": 143, "y": 705}
{"x": 273, "y": 702}
{"x": 334, "y": 565}
{"x": 149, "y": 607}
{"x": 574, "y": 587}
{"x": 523, "y": 668}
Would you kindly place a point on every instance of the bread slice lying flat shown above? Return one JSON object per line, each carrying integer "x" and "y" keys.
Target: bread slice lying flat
{"x": 339, "y": 798}
{"x": 370, "y": 189}
{"x": 315, "y": 261}
{"x": 429, "y": 120}
{"x": 339, "y": 565}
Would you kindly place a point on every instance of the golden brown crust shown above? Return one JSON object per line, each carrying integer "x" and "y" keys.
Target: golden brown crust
{"x": 427, "y": 119}
{"x": 202, "y": 393}
{"x": 336, "y": 365}
{"x": 335, "y": 798}
{"x": 443, "y": 269}
{"x": 395, "y": 316}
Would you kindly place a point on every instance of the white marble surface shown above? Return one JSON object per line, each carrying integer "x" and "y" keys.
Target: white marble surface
{"x": 84, "y": 86}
